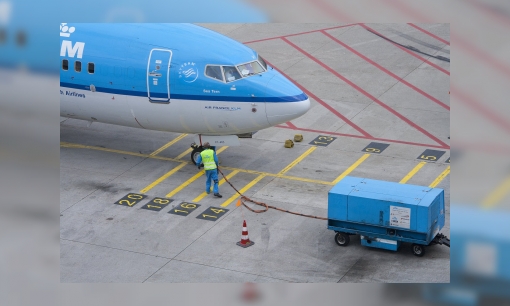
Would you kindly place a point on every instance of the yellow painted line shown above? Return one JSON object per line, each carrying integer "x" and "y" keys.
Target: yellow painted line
{"x": 242, "y": 191}
{"x": 301, "y": 179}
{"x": 185, "y": 184}
{"x": 440, "y": 177}
{"x": 351, "y": 168}
{"x": 187, "y": 152}
{"x": 412, "y": 172}
{"x": 297, "y": 160}
{"x": 80, "y": 146}
{"x": 162, "y": 178}
{"x": 168, "y": 144}
{"x": 221, "y": 150}
{"x": 497, "y": 195}
{"x": 204, "y": 194}
{"x": 191, "y": 180}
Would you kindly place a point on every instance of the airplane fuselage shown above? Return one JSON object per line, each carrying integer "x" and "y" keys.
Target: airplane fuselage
{"x": 171, "y": 77}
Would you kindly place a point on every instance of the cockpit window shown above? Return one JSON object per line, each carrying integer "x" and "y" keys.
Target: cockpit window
{"x": 250, "y": 68}
{"x": 231, "y": 73}
{"x": 214, "y": 72}
{"x": 263, "y": 62}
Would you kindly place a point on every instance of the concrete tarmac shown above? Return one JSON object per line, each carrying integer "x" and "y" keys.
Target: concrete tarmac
{"x": 364, "y": 89}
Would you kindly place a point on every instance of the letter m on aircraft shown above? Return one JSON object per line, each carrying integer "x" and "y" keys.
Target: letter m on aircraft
{"x": 67, "y": 48}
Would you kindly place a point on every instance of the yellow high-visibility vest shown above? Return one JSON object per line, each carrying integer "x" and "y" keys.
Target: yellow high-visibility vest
{"x": 208, "y": 159}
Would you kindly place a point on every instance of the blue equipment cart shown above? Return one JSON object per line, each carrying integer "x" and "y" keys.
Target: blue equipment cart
{"x": 386, "y": 214}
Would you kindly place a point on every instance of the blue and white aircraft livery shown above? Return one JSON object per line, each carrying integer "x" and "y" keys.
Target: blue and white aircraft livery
{"x": 171, "y": 77}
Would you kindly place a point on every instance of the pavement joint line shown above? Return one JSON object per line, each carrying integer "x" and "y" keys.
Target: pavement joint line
{"x": 351, "y": 168}
{"x": 204, "y": 194}
{"x": 192, "y": 179}
{"x": 162, "y": 178}
{"x": 113, "y": 248}
{"x": 168, "y": 144}
{"x": 350, "y": 268}
{"x": 497, "y": 194}
{"x": 297, "y": 160}
{"x": 440, "y": 177}
{"x": 157, "y": 271}
{"x": 79, "y": 146}
{"x": 201, "y": 264}
{"x": 412, "y": 172}
{"x": 243, "y": 190}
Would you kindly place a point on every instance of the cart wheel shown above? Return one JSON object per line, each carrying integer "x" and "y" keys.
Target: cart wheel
{"x": 418, "y": 250}
{"x": 342, "y": 239}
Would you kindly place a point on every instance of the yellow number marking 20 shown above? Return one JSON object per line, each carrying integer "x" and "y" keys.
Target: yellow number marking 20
{"x": 131, "y": 199}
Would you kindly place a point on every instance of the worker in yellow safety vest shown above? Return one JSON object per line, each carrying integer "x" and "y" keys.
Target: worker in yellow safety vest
{"x": 210, "y": 160}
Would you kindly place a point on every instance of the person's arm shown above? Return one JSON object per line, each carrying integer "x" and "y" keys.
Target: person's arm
{"x": 199, "y": 160}
{"x": 216, "y": 159}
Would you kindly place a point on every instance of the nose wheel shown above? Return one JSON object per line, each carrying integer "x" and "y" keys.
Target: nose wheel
{"x": 196, "y": 152}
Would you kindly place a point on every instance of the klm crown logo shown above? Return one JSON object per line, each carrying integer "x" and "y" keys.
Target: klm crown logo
{"x": 66, "y": 31}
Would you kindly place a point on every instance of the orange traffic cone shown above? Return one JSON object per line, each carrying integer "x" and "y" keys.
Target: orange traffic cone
{"x": 245, "y": 241}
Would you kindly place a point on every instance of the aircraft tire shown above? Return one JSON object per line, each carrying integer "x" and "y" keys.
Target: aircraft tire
{"x": 194, "y": 154}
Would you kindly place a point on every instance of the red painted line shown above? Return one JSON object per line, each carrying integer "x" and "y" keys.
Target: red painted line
{"x": 387, "y": 71}
{"x": 297, "y": 34}
{"x": 408, "y": 51}
{"x": 323, "y": 132}
{"x": 480, "y": 108}
{"x": 362, "y": 137}
{"x": 366, "y": 94}
{"x": 291, "y": 125}
{"x": 331, "y": 109}
{"x": 429, "y": 34}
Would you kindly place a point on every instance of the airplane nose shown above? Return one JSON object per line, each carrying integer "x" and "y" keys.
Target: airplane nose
{"x": 284, "y": 100}
{"x": 281, "y": 112}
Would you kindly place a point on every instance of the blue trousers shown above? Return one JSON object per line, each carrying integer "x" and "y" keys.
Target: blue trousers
{"x": 211, "y": 175}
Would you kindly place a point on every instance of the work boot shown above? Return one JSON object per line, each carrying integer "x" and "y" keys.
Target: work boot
{"x": 218, "y": 195}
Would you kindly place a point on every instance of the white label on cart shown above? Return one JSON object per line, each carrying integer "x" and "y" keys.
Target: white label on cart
{"x": 400, "y": 216}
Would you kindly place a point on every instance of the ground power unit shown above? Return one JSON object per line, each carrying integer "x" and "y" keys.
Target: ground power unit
{"x": 385, "y": 214}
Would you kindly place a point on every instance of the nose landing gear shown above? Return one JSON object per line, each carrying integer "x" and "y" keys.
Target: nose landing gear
{"x": 196, "y": 152}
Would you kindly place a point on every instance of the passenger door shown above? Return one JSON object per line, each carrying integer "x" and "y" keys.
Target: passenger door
{"x": 158, "y": 76}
